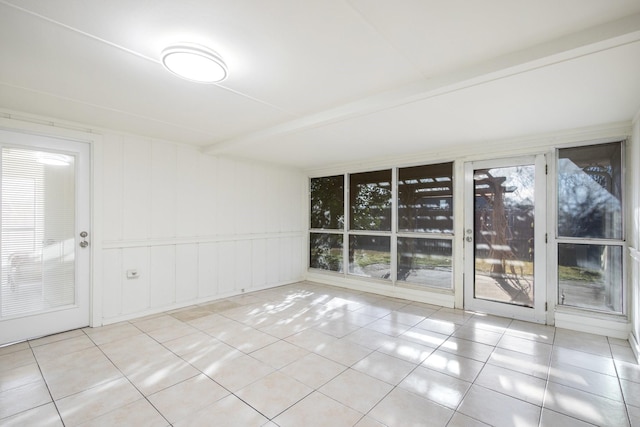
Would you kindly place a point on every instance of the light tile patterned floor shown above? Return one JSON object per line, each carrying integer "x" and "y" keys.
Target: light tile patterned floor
{"x": 311, "y": 355}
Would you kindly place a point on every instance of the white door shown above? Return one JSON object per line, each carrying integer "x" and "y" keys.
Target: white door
{"x": 505, "y": 226}
{"x": 44, "y": 235}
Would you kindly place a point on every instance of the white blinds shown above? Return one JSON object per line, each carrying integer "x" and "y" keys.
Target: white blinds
{"x": 37, "y": 245}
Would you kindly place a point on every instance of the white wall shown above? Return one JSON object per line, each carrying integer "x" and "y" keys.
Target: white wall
{"x": 195, "y": 227}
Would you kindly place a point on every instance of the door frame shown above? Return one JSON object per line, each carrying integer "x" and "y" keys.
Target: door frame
{"x": 43, "y": 127}
{"x": 538, "y": 312}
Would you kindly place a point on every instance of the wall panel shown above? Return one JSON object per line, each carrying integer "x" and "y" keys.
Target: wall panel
{"x": 207, "y": 270}
{"x": 258, "y": 196}
{"x": 243, "y": 200}
{"x": 274, "y": 198}
{"x": 163, "y": 190}
{"x": 243, "y": 263}
{"x": 229, "y": 197}
{"x": 135, "y": 292}
{"x": 136, "y": 195}
{"x": 226, "y": 268}
{"x": 186, "y": 272}
{"x": 112, "y": 283}
{"x": 162, "y": 276}
{"x": 195, "y": 227}
{"x": 258, "y": 263}
{"x": 208, "y": 198}
{"x": 112, "y": 188}
{"x": 273, "y": 261}
{"x": 187, "y": 192}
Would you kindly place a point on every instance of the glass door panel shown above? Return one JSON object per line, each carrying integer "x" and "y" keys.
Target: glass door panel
{"x": 38, "y": 227}
{"x": 504, "y": 227}
{"x": 44, "y": 219}
{"x": 504, "y": 234}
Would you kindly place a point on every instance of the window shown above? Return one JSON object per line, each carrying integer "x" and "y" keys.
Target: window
{"x": 590, "y": 227}
{"x": 425, "y": 199}
{"x": 370, "y": 196}
{"x": 327, "y": 203}
{"x": 327, "y": 215}
{"x": 412, "y": 244}
{"x": 326, "y": 251}
{"x": 370, "y": 256}
{"x": 370, "y": 201}
{"x": 425, "y": 261}
{"x": 425, "y": 225}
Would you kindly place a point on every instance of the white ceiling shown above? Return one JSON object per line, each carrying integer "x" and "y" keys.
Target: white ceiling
{"x": 318, "y": 82}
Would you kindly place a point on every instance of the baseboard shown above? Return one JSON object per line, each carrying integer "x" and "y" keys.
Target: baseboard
{"x": 601, "y": 325}
{"x": 184, "y": 304}
{"x": 443, "y": 298}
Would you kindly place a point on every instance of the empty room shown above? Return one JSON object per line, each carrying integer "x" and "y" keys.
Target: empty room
{"x": 320, "y": 213}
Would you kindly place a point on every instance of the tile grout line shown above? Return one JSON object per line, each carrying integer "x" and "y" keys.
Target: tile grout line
{"x": 615, "y": 367}
{"x": 55, "y": 405}
{"x": 128, "y": 379}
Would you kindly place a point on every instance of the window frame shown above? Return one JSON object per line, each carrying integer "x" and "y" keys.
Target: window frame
{"x": 327, "y": 231}
{"x": 423, "y": 234}
{"x": 393, "y": 233}
{"x": 554, "y": 281}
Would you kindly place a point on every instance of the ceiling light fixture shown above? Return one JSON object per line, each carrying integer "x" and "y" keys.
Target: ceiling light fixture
{"x": 194, "y": 62}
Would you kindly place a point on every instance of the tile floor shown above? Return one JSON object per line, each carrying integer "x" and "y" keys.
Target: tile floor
{"x": 312, "y": 355}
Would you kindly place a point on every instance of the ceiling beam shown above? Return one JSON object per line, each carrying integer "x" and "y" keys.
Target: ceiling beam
{"x": 593, "y": 40}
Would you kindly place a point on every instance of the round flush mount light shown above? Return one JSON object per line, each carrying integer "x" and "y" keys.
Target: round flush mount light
{"x": 194, "y": 62}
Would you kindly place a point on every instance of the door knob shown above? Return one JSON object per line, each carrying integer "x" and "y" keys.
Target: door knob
{"x": 84, "y": 242}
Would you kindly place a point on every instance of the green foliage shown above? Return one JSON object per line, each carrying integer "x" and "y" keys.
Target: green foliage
{"x": 579, "y": 274}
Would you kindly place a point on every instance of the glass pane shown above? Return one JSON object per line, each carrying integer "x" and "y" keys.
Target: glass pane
{"x": 425, "y": 198}
{"x": 590, "y": 276}
{"x": 425, "y": 262}
{"x": 326, "y": 251}
{"x": 590, "y": 191}
{"x": 38, "y": 228}
{"x": 504, "y": 234}
{"x": 327, "y": 202}
{"x": 370, "y": 256}
{"x": 370, "y": 200}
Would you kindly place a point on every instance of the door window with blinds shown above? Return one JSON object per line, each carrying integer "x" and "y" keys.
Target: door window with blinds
{"x": 38, "y": 230}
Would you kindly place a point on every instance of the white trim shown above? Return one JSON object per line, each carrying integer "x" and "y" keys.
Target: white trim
{"x": 635, "y": 346}
{"x": 458, "y": 232}
{"x": 551, "y": 244}
{"x": 429, "y": 296}
{"x": 634, "y": 270}
{"x": 197, "y": 301}
{"x": 610, "y": 326}
{"x": 117, "y": 244}
{"x": 95, "y": 317}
